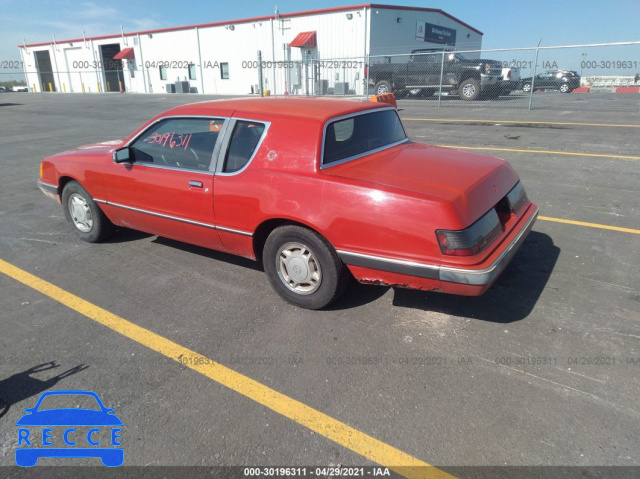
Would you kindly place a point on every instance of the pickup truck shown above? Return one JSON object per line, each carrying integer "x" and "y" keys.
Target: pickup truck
{"x": 510, "y": 80}
{"x": 467, "y": 77}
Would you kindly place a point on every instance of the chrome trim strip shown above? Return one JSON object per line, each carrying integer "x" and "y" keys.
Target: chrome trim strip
{"x": 231, "y": 230}
{"x": 46, "y": 188}
{"x": 410, "y": 268}
{"x": 474, "y": 277}
{"x": 175, "y": 218}
{"x": 484, "y": 276}
{"x": 161, "y": 215}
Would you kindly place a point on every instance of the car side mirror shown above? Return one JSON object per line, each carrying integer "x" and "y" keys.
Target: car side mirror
{"x": 123, "y": 155}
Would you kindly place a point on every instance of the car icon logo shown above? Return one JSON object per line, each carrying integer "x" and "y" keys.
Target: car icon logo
{"x": 84, "y": 432}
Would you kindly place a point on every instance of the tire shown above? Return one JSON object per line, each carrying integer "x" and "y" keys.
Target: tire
{"x": 303, "y": 268}
{"x": 565, "y": 88}
{"x": 469, "y": 89}
{"x": 526, "y": 87}
{"x": 89, "y": 222}
{"x": 382, "y": 87}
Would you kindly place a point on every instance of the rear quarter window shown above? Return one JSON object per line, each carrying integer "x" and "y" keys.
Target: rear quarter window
{"x": 356, "y": 135}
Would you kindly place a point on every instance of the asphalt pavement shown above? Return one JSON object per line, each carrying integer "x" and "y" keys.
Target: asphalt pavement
{"x": 543, "y": 370}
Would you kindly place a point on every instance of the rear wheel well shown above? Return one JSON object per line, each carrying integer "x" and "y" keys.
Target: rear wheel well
{"x": 263, "y": 231}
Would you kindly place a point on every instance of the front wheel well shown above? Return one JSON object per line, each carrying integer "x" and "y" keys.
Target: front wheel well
{"x": 466, "y": 76}
{"x": 263, "y": 231}
{"x": 62, "y": 182}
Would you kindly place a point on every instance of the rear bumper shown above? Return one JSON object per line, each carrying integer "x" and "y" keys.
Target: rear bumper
{"x": 446, "y": 279}
{"x": 486, "y": 276}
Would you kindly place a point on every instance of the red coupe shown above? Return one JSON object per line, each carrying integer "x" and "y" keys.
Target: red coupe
{"x": 314, "y": 188}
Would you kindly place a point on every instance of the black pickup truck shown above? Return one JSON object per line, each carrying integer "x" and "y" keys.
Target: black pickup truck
{"x": 468, "y": 77}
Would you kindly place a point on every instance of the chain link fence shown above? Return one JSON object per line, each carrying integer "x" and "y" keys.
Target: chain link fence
{"x": 602, "y": 77}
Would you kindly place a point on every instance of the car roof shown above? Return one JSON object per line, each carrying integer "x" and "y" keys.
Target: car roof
{"x": 304, "y": 107}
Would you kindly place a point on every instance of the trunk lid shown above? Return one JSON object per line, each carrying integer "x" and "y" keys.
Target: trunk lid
{"x": 472, "y": 183}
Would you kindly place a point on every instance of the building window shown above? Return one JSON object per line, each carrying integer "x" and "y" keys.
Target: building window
{"x": 224, "y": 71}
{"x": 192, "y": 71}
{"x": 163, "y": 72}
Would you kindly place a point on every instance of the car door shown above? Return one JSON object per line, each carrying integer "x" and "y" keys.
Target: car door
{"x": 433, "y": 66}
{"x": 166, "y": 187}
{"x": 417, "y": 70}
{"x": 544, "y": 80}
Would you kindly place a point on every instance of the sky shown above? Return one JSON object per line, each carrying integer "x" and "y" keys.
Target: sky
{"x": 505, "y": 23}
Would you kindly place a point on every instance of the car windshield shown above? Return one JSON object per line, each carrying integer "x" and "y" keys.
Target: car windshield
{"x": 69, "y": 401}
{"x": 351, "y": 137}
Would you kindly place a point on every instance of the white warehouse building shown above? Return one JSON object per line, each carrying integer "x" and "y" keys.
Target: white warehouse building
{"x": 312, "y": 52}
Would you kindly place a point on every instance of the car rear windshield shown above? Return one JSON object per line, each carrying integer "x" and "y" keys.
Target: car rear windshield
{"x": 357, "y": 135}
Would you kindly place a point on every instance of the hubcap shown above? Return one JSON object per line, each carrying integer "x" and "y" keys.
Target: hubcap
{"x": 382, "y": 89}
{"x": 298, "y": 268}
{"x": 80, "y": 213}
{"x": 468, "y": 90}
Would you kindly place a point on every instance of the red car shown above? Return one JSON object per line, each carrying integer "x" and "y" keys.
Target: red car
{"x": 314, "y": 188}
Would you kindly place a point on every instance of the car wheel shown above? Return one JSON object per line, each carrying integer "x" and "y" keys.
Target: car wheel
{"x": 469, "y": 89}
{"x": 303, "y": 267}
{"x": 565, "y": 88}
{"x": 382, "y": 87}
{"x": 89, "y": 221}
{"x": 526, "y": 87}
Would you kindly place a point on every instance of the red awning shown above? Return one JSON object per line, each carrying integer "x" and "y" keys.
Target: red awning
{"x": 304, "y": 39}
{"x": 126, "y": 54}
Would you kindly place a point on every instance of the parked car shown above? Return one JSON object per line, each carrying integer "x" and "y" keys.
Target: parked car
{"x": 315, "y": 188}
{"x": 563, "y": 80}
{"x": 21, "y": 88}
{"x": 467, "y": 77}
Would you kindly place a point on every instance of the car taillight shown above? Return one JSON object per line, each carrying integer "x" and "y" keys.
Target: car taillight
{"x": 473, "y": 239}
{"x": 366, "y": 70}
{"x": 509, "y": 75}
{"x": 516, "y": 198}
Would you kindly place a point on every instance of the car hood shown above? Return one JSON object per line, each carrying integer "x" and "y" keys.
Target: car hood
{"x": 69, "y": 417}
{"x": 93, "y": 149}
{"x": 472, "y": 183}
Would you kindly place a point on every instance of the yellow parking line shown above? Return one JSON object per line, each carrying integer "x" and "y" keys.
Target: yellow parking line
{"x": 357, "y": 441}
{"x": 522, "y": 122}
{"x": 590, "y": 225}
{"x": 546, "y": 152}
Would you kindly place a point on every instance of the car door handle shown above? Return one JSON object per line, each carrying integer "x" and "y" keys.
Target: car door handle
{"x": 195, "y": 184}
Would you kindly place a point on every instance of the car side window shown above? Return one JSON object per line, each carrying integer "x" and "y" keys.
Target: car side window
{"x": 185, "y": 143}
{"x": 242, "y": 145}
